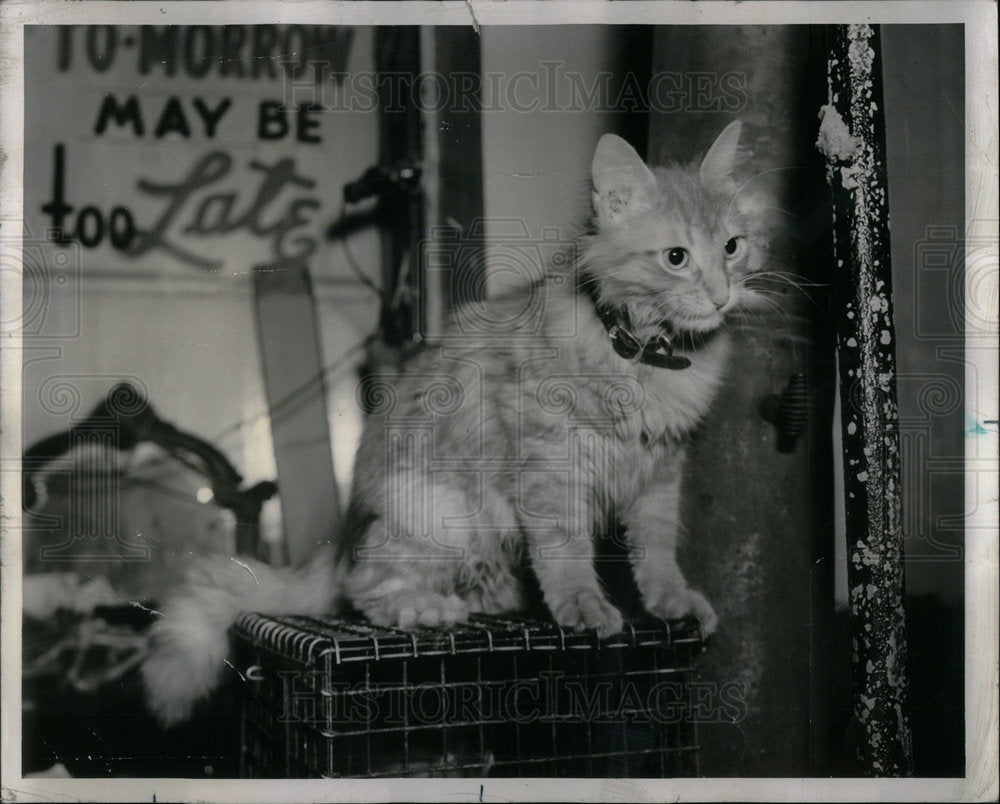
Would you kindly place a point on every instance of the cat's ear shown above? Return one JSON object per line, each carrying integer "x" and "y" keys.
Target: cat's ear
{"x": 717, "y": 167}
{"x": 622, "y": 183}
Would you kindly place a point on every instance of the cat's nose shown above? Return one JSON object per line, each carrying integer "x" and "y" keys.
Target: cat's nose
{"x": 720, "y": 297}
{"x": 717, "y": 288}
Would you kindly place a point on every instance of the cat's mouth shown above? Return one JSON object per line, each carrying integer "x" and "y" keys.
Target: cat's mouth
{"x": 690, "y": 318}
{"x": 698, "y": 325}
{"x": 706, "y": 324}
{"x": 689, "y": 333}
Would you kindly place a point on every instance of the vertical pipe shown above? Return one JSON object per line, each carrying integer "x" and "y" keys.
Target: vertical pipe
{"x": 432, "y": 302}
{"x": 397, "y": 59}
{"x": 757, "y": 520}
{"x": 852, "y": 138}
{"x": 459, "y": 135}
{"x": 453, "y": 257}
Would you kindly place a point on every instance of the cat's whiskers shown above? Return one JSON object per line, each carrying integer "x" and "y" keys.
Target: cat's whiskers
{"x": 761, "y": 175}
{"x": 797, "y": 279}
{"x": 774, "y": 208}
{"x": 769, "y": 310}
{"x": 763, "y": 295}
{"x": 786, "y": 278}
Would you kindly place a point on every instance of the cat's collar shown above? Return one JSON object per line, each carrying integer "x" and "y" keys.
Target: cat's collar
{"x": 658, "y": 352}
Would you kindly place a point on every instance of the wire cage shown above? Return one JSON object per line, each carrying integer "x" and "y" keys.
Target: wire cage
{"x": 337, "y": 697}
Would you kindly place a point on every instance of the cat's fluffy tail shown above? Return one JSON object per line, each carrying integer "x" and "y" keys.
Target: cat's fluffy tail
{"x": 189, "y": 645}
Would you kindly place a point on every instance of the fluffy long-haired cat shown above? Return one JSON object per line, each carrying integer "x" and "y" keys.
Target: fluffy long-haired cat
{"x": 509, "y": 445}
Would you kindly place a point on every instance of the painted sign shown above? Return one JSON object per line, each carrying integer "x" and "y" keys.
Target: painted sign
{"x": 190, "y": 148}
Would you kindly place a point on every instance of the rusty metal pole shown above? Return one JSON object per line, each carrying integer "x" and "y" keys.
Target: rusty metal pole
{"x": 852, "y": 138}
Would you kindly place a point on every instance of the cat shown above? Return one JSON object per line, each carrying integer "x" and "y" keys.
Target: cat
{"x": 513, "y": 441}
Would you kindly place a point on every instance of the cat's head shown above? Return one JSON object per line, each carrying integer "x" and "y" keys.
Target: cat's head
{"x": 671, "y": 243}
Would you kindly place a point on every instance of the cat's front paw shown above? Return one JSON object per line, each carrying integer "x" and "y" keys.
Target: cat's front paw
{"x": 673, "y": 604}
{"x": 588, "y": 609}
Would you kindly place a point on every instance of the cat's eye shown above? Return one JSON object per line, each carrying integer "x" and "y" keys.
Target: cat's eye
{"x": 735, "y": 246}
{"x": 676, "y": 257}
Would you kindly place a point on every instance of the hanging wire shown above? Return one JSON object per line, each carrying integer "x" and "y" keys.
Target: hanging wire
{"x": 275, "y": 409}
{"x": 352, "y": 261}
{"x": 286, "y": 402}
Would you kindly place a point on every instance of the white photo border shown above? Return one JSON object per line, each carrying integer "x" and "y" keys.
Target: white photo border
{"x": 982, "y": 625}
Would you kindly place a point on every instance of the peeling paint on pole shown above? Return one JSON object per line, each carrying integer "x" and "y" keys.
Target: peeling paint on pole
{"x": 852, "y": 138}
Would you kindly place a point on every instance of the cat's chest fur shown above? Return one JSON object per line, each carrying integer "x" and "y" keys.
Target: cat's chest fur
{"x": 651, "y": 406}
{"x": 677, "y": 400}
{"x": 637, "y": 415}
{"x": 674, "y": 403}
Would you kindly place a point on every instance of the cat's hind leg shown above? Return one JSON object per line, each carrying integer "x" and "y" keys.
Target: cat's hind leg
{"x": 432, "y": 564}
{"x": 404, "y": 563}
{"x": 398, "y": 601}
{"x": 418, "y": 608}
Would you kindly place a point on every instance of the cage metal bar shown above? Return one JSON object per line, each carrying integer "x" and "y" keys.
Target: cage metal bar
{"x": 406, "y": 722}
{"x": 852, "y": 138}
{"x": 444, "y": 686}
{"x": 517, "y": 725}
{"x": 663, "y": 758}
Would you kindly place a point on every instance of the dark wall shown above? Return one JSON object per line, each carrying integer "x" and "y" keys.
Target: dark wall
{"x": 925, "y": 118}
{"x": 924, "y": 81}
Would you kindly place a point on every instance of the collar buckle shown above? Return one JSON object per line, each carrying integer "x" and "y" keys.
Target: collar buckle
{"x": 625, "y": 343}
{"x": 667, "y": 359}
{"x": 659, "y": 353}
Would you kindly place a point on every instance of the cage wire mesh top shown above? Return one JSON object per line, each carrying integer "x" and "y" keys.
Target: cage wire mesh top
{"x": 497, "y": 696}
